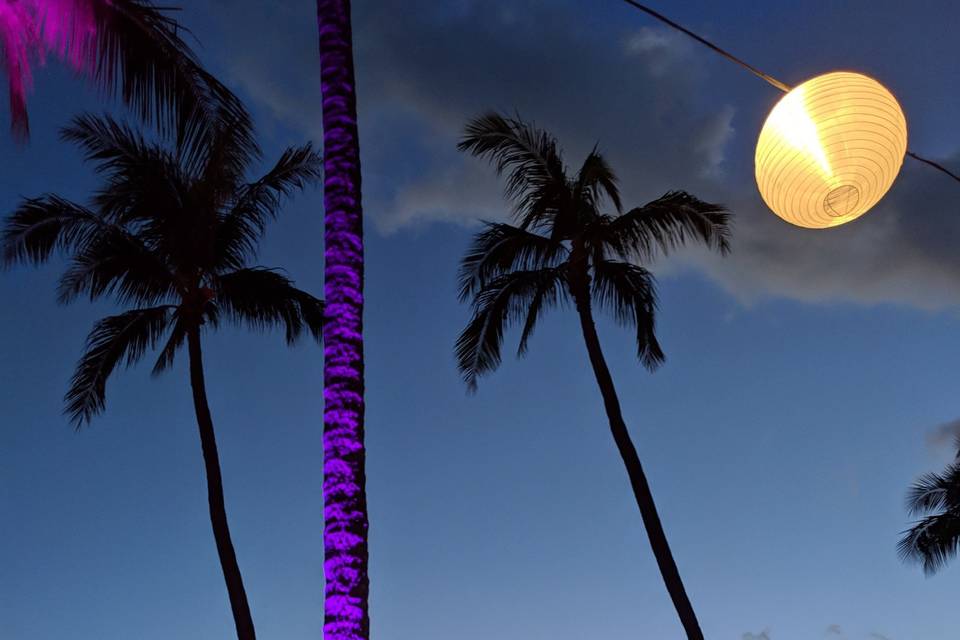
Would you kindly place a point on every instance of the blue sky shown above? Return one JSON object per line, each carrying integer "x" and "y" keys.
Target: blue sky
{"x": 807, "y": 373}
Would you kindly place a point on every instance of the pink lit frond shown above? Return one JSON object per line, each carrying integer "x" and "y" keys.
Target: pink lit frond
{"x": 19, "y": 44}
{"x": 68, "y": 30}
{"x": 30, "y": 29}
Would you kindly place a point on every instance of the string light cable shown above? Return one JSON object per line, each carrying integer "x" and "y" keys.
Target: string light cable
{"x": 757, "y": 72}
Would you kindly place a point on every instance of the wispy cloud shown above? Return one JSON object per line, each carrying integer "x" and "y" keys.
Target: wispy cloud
{"x": 945, "y": 437}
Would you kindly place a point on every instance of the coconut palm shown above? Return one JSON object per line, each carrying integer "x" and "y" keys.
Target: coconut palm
{"x": 346, "y": 616}
{"x": 563, "y": 248}
{"x": 125, "y": 47}
{"x": 171, "y": 239}
{"x": 935, "y": 539}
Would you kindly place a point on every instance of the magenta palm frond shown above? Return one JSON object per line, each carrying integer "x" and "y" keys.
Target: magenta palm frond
{"x": 127, "y": 48}
{"x": 19, "y": 41}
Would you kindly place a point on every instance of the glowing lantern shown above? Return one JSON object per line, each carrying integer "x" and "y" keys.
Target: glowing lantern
{"x": 830, "y": 149}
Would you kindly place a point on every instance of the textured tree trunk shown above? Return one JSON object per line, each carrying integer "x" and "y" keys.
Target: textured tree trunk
{"x": 218, "y": 512}
{"x": 638, "y": 480}
{"x": 346, "y": 616}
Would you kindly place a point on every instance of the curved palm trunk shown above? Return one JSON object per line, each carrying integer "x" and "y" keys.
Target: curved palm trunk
{"x": 218, "y": 512}
{"x": 638, "y": 480}
{"x": 346, "y": 616}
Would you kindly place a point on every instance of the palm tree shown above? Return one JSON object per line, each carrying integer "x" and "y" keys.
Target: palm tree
{"x": 125, "y": 47}
{"x": 935, "y": 539}
{"x": 563, "y": 248}
{"x": 347, "y": 585}
{"x": 170, "y": 233}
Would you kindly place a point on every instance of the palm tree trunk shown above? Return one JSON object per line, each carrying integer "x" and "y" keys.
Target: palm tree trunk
{"x": 638, "y": 480}
{"x": 218, "y": 512}
{"x": 346, "y": 616}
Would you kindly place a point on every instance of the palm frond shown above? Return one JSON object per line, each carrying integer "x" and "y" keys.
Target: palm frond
{"x": 596, "y": 181}
{"x": 931, "y": 542}
{"x": 118, "y": 264}
{"x": 142, "y": 180}
{"x": 126, "y": 47}
{"x": 223, "y": 163}
{"x": 629, "y": 292}
{"x": 502, "y": 248}
{"x": 111, "y": 144}
{"x": 503, "y": 301}
{"x": 667, "y": 223}
{"x": 552, "y": 292}
{"x": 933, "y": 492}
{"x": 115, "y": 339}
{"x": 263, "y": 298}
{"x": 177, "y": 335}
{"x": 19, "y": 39}
{"x": 136, "y": 51}
{"x": 260, "y": 201}
{"x": 41, "y": 225}
{"x": 530, "y": 158}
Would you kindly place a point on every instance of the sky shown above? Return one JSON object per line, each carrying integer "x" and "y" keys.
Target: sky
{"x": 810, "y": 375}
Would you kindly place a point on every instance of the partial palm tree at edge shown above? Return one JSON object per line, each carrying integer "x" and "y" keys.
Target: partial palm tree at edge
{"x": 561, "y": 249}
{"x": 172, "y": 237}
{"x": 128, "y": 48}
{"x": 934, "y": 540}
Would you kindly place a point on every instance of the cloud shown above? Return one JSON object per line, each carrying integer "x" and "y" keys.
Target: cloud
{"x": 629, "y": 94}
{"x": 657, "y": 47}
{"x": 476, "y": 189}
{"x": 834, "y": 630}
{"x": 898, "y": 253}
{"x": 641, "y": 92}
{"x": 424, "y": 69}
{"x": 945, "y": 437}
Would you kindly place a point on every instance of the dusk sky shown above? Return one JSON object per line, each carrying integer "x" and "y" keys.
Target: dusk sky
{"x": 810, "y": 375}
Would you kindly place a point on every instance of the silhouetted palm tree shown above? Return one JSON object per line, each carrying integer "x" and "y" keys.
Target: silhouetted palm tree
{"x": 127, "y": 47}
{"x": 347, "y": 585}
{"x": 171, "y": 233}
{"x": 564, "y": 248}
{"x": 934, "y": 540}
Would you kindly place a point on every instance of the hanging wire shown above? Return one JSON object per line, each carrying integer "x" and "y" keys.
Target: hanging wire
{"x": 935, "y": 165}
{"x": 760, "y": 74}
{"x": 725, "y": 54}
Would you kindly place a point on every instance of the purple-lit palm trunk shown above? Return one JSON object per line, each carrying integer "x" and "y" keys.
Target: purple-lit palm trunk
{"x": 345, "y": 505}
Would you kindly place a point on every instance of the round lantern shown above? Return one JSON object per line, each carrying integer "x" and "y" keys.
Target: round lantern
{"x": 830, "y": 149}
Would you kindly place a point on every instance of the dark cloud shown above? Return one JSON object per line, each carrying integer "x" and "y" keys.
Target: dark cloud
{"x": 945, "y": 437}
{"x": 424, "y": 69}
{"x": 834, "y": 630}
{"x": 898, "y": 253}
{"x": 763, "y": 635}
{"x": 640, "y": 91}
{"x": 632, "y": 94}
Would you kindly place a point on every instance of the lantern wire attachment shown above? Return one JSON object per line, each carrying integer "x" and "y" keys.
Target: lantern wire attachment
{"x": 757, "y": 72}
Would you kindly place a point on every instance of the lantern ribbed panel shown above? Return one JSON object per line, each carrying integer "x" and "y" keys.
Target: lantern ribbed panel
{"x": 830, "y": 149}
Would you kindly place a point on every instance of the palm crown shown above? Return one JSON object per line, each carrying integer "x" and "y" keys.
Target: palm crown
{"x": 171, "y": 232}
{"x": 935, "y": 539}
{"x": 563, "y": 246}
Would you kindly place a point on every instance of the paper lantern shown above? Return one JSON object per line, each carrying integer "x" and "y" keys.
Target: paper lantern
{"x": 830, "y": 149}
